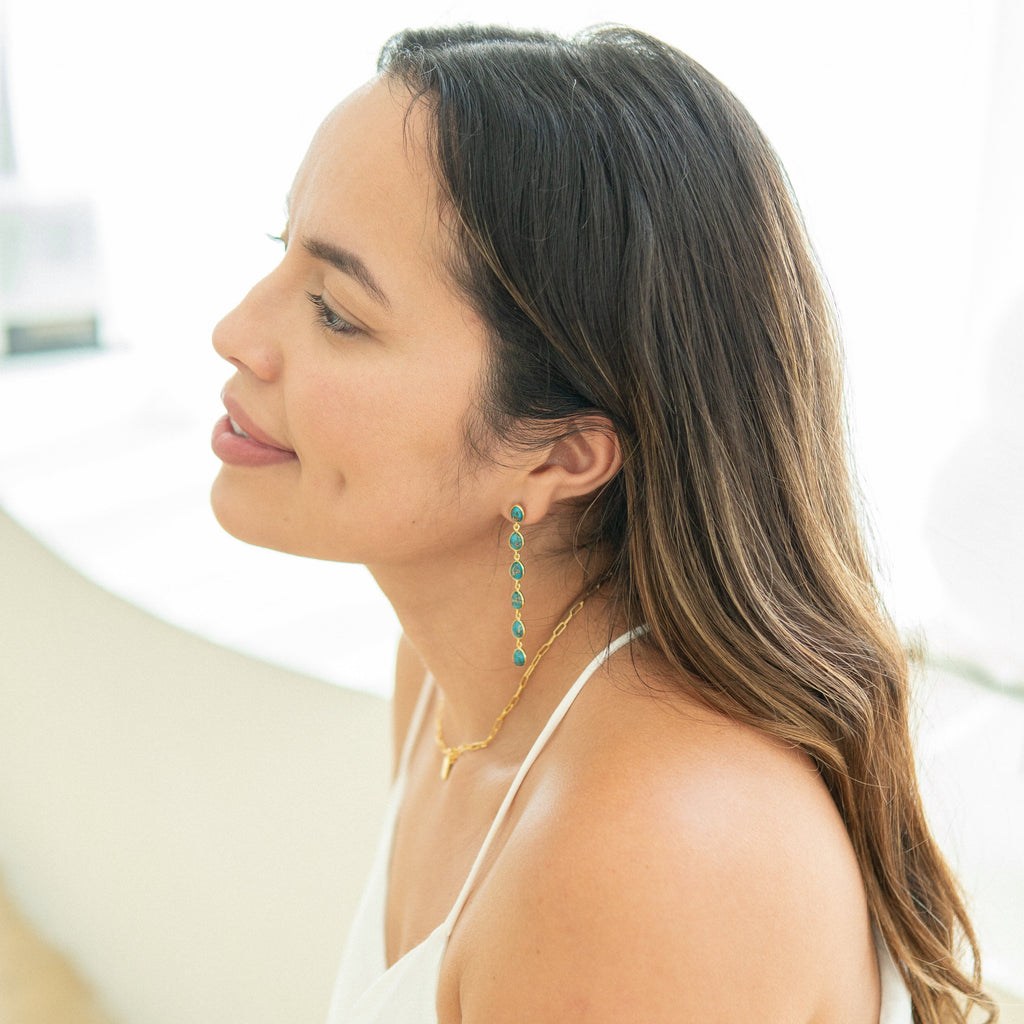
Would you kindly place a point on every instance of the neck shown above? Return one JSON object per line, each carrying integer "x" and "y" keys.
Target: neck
{"x": 462, "y": 630}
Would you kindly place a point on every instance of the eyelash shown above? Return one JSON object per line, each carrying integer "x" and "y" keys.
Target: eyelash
{"x": 328, "y": 319}
{"x": 325, "y": 316}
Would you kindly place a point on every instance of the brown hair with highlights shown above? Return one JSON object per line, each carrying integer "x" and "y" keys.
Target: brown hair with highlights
{"x": 631, "y": 240}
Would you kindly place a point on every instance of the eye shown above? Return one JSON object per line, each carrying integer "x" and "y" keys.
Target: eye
{"x": 328, "y": 319}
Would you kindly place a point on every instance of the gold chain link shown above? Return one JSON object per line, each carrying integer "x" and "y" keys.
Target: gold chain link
{"x": 452, "y": 754}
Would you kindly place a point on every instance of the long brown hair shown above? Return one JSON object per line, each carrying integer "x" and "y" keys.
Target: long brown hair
{"x": 630, "y": 238}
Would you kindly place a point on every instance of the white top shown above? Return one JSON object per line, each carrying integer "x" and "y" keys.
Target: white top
{"x": 367, "y": 991}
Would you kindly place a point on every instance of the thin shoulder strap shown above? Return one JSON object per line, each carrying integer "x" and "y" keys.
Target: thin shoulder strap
{"x": 538, "y": 745}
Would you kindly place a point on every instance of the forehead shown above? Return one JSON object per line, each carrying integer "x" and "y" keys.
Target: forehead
{"x": 366, "y": 181}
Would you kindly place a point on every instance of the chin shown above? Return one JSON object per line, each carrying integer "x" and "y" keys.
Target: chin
{"x": 251, "y": 520}
{"x": 241, "y": 518}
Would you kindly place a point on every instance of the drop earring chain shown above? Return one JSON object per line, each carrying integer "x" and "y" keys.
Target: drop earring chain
{"x": 516, "y": 571}
{"x": 451, "y": 754}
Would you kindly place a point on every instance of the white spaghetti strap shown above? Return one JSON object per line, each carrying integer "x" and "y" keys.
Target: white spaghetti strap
{"x": 538, "y": 745}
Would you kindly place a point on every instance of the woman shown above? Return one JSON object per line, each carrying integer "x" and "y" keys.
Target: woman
{"x": 549, "y": 353}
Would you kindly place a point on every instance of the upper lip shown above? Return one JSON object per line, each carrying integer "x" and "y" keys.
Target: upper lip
{"x": 237, "y": 413}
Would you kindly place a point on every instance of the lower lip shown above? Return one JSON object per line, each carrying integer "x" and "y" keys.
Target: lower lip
{"x": 236, "y": 450}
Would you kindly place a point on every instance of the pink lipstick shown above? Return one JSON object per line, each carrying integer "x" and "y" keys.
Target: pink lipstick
{"x": 239, "y": 442}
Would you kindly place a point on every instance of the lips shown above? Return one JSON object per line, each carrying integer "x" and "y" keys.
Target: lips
{"x": 238, "y": 441}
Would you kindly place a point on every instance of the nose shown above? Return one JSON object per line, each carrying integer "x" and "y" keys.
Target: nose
{"x": 246, "y": 336}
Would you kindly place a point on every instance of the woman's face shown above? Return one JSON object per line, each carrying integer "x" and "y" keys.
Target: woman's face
{"x": 356, "y": 363}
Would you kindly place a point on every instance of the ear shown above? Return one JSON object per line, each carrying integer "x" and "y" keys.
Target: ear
{"x": 573, "y": 467}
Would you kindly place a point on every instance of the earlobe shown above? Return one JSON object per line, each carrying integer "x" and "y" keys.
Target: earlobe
{"x": 575, "y": 466}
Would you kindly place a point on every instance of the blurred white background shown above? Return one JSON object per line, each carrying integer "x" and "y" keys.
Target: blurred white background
{"x": 899, "y": 122}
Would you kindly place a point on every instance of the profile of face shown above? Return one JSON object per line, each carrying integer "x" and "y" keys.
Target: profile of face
{"x": 356, "y": 362}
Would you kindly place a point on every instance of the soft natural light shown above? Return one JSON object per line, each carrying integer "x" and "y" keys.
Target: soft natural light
{"x": 182, "y": 132}
{"x": 163, "y": 140}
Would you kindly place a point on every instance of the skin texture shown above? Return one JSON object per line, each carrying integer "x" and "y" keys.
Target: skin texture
{"x": 661, "y": 863}
{"x": 377, "y": 438}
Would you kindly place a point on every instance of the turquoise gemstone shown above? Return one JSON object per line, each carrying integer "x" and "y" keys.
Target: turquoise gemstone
{"x": 517, "y": 513}
{"x": 515, "y": 542}
{"x": 519, "y": 658}
{"x": 518, "y": 630}
{"x": 516, "y": 570}
{"x": 517, "y": 599}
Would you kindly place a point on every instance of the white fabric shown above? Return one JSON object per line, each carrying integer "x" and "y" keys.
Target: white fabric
{"x": 367, "y": 991}
{"x": 896, "y": 1007}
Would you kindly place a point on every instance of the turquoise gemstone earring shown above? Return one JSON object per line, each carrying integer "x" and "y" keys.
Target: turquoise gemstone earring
{"x": 516, "y": 570}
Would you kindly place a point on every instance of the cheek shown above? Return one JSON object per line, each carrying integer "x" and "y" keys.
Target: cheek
{"x": 379, "y": 457}
{"x": 390, "y": 416}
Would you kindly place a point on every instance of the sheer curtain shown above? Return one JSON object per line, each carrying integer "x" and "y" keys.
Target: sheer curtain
{"x": 971, "y": 741}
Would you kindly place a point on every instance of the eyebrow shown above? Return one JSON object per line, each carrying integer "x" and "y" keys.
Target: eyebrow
{"x": 348, "y": 263}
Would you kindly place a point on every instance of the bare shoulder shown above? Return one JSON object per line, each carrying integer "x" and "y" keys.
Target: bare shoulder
{"x": 672, "y": 865}
{"x": 409, "y": 675}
